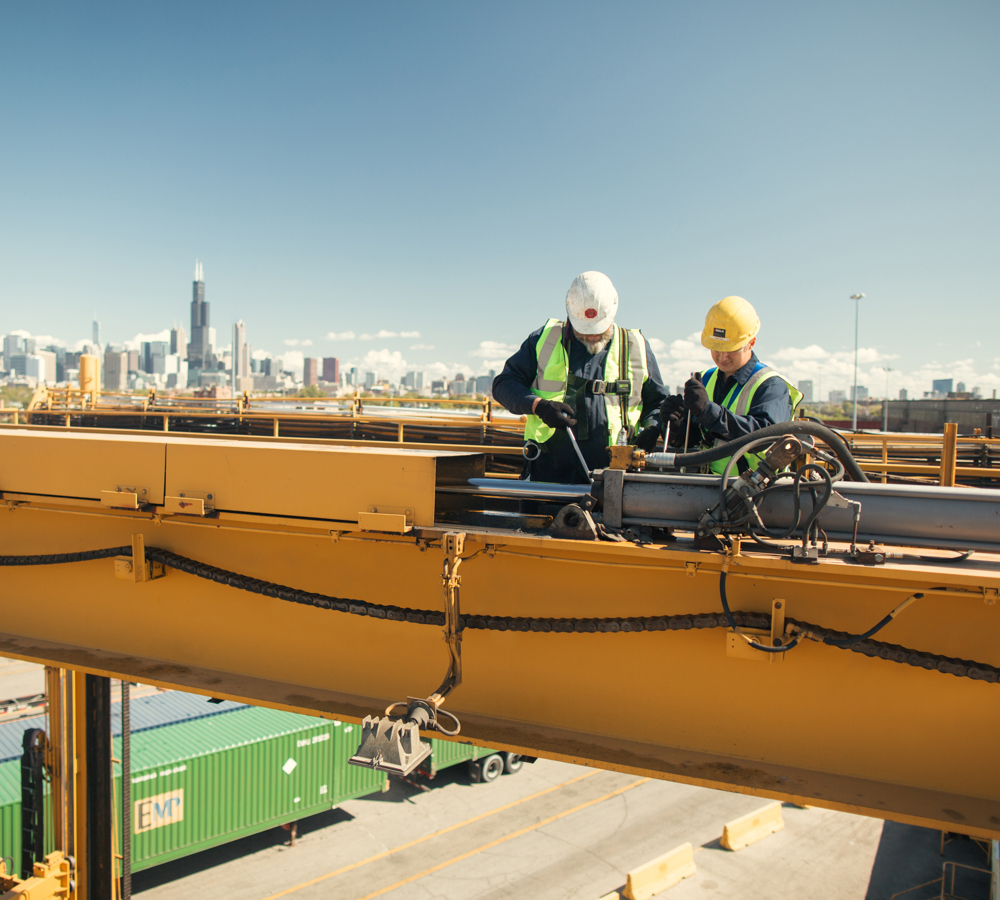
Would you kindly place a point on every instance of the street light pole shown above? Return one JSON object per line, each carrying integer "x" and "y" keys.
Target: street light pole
{"x": 857, "y": 298}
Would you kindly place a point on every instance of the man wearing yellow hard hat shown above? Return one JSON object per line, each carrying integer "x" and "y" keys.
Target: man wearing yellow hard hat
{"x": 740, "y": 395}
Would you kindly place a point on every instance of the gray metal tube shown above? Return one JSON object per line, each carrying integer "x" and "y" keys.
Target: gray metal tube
{"x": 922, "y": 516}
{"x": 524, "y": 490}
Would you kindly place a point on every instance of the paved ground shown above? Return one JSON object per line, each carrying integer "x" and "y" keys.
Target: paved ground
{"x": 554, "y": 832}
{"x": 20, "y": 679}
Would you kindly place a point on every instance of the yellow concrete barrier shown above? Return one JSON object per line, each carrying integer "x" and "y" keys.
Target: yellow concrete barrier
{"x": 663, "y": 872}
{"x": 753, "y": 826}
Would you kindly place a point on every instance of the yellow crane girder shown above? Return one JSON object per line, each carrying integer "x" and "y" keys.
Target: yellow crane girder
{"x": 818, "y": 725}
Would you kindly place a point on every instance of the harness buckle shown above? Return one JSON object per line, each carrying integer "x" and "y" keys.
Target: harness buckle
{"x": 621, "y": 388}
{"x": 599, "y": 387}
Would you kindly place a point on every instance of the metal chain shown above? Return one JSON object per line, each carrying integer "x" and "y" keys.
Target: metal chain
{"x": 963, "y": 668}
{"x": 892, "y": 652}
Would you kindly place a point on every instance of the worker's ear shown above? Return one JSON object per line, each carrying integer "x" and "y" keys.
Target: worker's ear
{"x": 751, "y": 342}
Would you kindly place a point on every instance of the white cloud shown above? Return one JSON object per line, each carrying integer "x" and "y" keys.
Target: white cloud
{"x": 292, "y": 361}
{"x": 341, "y": 336}
{"x": 493, "y": 350}
{"x": 137, "y": 342}
{"x": 382, "y": 335}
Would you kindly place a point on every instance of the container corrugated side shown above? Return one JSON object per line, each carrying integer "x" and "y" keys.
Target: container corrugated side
{"x": 266, "y": 768}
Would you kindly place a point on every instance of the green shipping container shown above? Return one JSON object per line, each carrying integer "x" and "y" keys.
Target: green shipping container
{"x": 202, "y": 782}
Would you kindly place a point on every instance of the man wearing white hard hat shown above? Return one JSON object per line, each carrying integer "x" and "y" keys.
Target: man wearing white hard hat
{"x": 737, "y": 397}
{"x": 586, "y": 374}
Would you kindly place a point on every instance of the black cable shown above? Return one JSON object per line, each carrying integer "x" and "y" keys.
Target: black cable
{"x": 732, "y": 623}
{"x": 779, "y": 429}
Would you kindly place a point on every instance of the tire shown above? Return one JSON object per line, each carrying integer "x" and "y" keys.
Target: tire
{"x": 512, "y": 763}
{"x": 491, "y": 768}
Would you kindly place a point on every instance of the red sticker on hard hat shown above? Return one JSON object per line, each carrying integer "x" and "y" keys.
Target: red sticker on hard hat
{"x": 719, "y": 333}
{"x": 590, "y": 313}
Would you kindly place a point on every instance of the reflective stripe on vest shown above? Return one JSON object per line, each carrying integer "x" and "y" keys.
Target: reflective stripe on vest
{"x": 553, "y": 373}
{"x": 739, "y": 404}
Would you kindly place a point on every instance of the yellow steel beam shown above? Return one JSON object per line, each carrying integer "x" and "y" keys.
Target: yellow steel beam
{"x": 828, "y": 726}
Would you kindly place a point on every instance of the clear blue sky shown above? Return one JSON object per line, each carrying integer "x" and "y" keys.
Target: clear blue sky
{"x": 448, "y": 169}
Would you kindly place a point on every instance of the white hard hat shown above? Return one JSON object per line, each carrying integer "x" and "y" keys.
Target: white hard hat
{"x": 591, "y": 303}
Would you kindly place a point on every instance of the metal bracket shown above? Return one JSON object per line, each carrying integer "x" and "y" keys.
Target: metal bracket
{"x": 123, "y": 497}
{"x": 190, "y": 503}
{"x": 614, "y": 488}
{"x": 137, "y": 568}
{"x": 391, "y": 519}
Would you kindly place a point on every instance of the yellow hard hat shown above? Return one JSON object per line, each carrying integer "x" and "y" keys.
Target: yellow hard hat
{"x": 730, "y": 325}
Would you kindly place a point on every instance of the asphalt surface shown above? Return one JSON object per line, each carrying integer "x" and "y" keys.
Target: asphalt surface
{"x": 556, "y": 831}
{"x": 20, "y": 679}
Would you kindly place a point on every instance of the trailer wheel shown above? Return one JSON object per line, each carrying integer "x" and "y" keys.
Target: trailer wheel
{"x": 512, "y": 763}
{"x": 491, "y": 768}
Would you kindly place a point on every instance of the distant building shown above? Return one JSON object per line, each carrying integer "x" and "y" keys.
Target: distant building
{"x": 96, "y": 331}
{"x": 178, "y": 341}
{"x": 413, "y": 381}
{"x": 903, "y": 395}
{"x": 942, "y": 386}
{"x": 30, "y": 365}
{"x": 133, "y": 360}
{"x": 115, "y": 370}
{"x": 241, "y": 374}
{"x": 199, "y": 349}
{"x": 331, "y": 369}
{"x": 154, "y": 356}
{"x": 370, "y": 379}
{"x": 310, "y": 371}
{"x": 806, "y": 389}
{"x": 484, "y": 384}
{"x": 838, "y": 396}
{"x": 862, "y": 394}
{"x": 13, "y": 344}
{"x": 437, "y": 387}
{"x": 354, "y": 376}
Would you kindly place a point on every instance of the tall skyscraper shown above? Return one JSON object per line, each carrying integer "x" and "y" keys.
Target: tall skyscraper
{"x": 199, "y": 350}
{"x": 178, "y": 341}
{"x": 806, "y": 389}
{"x": 97, "y": 331}
{"x": 331, "y": 369}
{"x": 310, "y": 371}
{"x": 241, "y": 357}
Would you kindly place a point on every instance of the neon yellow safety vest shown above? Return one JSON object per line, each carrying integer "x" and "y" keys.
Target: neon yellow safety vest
{"x": 553, "y": 374}
{"x": 738, "y": 401}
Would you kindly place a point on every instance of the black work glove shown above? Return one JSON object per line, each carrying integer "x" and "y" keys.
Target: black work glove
{"x": 555, "y": 414}
{"x": 673, "y": 404}
{"x": 648, "y": 437}
{"x": 695, "y": 396}
{"x": 678, "y": 421}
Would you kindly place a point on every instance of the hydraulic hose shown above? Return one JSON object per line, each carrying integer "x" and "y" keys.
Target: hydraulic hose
{"x": 779, "y": 429}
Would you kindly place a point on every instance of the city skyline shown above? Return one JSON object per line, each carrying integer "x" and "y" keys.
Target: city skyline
{"x": 830, "y": 371}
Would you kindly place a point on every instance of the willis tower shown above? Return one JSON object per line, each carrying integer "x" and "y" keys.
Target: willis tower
{"x": 199, "y": 349}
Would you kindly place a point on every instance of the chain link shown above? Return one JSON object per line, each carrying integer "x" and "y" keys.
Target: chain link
{"x": 961, "y": 668}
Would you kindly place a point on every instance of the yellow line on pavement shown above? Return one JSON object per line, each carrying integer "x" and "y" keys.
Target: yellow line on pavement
{"x": 385, "y": 853}
{"x": 506, "y": 837}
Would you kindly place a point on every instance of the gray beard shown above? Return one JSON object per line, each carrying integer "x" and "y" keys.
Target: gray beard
{"x": 595, "y": 347}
